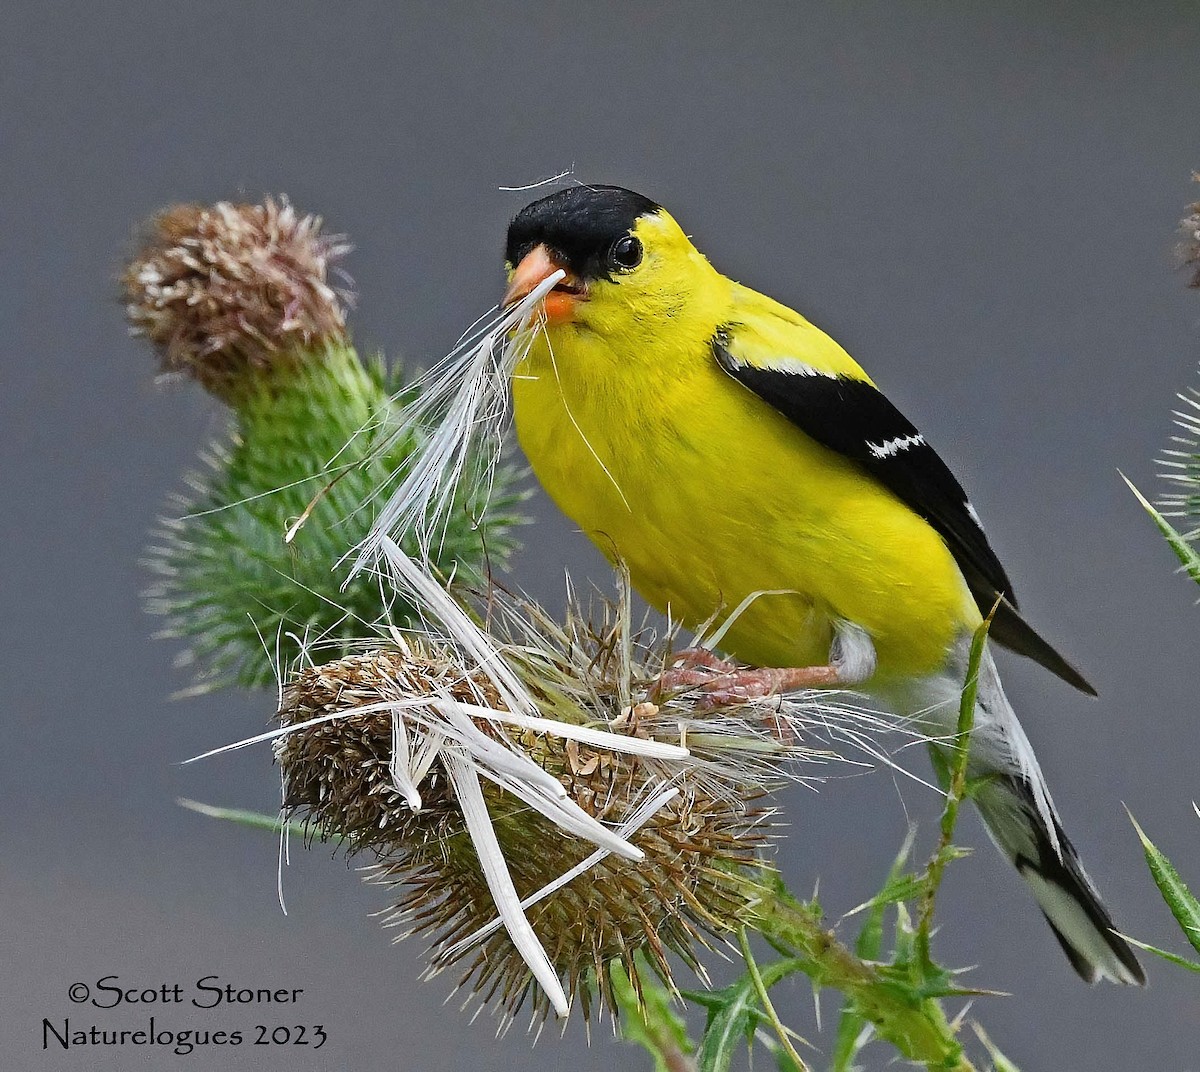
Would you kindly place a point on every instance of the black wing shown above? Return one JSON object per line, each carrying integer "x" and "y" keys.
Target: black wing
{"x": 854, "y": 419}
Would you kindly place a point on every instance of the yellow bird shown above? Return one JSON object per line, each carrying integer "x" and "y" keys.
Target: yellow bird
{"x": 741, "y": 463}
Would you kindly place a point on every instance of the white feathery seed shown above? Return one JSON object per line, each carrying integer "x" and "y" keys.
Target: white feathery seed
{"x": 466, "y": 394}
{"x": 495, "y": 870}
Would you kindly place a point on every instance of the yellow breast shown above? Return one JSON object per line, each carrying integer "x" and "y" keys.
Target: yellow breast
{"x": 709, "y": 496}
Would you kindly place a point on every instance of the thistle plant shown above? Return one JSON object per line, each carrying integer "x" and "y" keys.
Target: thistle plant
{"x": 1188, "y": 250}
{"x": 566, "y": 837}
{"x": 1177, "y": 517}
{"x": 1180, "y": 462}
{"x": 239, "y": 298}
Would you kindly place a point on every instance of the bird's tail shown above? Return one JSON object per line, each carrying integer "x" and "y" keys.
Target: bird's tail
{"x": 1048, "y": 862}
{"x": 1021, "y": 819}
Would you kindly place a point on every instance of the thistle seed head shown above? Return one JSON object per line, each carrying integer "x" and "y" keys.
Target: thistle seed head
{"x": 642, "y": 857}
{"x": 681, "y": 895}
{"x": 231, "y": 293}
{"x": 684, "y": 893}
{"x": 338, "y": 773}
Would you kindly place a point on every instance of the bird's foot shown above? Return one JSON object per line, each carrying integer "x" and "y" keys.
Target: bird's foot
{"x": 724, "y": 683}
{"x": 690, "y": 668}
{"x": 762, "y": 683}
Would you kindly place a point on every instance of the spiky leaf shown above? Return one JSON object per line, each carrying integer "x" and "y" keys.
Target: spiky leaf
{"x": 1180, "y": 900}
{"x": 1184, "y": 550}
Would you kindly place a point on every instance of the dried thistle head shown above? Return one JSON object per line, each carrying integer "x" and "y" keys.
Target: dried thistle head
{"x": 697, "y": 817}
{"x": 1189, "y": 248}
{"x": 683, "y": 892}
{"x": 339, "y": 772}
{"x": 228, "y": 293}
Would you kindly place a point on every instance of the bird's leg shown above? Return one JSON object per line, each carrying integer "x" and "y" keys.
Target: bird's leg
{"x": 762, "y": 682}
{"x": 691, "y": 667}
{"x": 851, "y": 662}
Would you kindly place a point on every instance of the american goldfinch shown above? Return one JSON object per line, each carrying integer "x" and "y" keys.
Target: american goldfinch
{"x": 739, "y": 462}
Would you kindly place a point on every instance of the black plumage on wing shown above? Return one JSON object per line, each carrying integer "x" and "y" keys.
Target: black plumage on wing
{"x": 854, "y": 419}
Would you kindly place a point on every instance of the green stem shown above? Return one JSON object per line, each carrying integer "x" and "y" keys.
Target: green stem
{"x": 647, "y": 1019}
{"x": 768, "y": 1007}
{"x": 916, "y": 1026}
{"x": 956, "y": 791}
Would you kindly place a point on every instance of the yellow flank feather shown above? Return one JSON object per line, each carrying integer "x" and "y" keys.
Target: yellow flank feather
{"x": 706, "y": 492}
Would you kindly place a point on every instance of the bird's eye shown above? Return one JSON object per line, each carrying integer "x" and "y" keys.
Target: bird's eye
{"x": 626, "y": 253}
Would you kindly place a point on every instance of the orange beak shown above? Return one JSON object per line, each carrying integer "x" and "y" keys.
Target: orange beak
{"x": 539, "y": 264}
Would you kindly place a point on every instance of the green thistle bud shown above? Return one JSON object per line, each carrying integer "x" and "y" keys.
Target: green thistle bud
{"x": 238, "y": 298}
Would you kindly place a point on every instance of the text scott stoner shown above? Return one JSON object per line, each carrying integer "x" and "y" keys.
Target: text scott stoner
{"x": 209, "y": 992}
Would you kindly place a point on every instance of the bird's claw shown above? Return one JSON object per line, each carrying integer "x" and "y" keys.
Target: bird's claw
{"x": 691, "y": 668}
{"x": 724, "y": 684}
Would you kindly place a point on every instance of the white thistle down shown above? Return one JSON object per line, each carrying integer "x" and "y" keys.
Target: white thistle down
{"x": 467, "y": 395}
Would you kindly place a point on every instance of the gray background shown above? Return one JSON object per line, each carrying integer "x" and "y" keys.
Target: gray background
{"x": 978, "y": 203}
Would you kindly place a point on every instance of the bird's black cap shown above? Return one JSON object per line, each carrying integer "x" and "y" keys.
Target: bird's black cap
{"x": 580, "y": 224}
